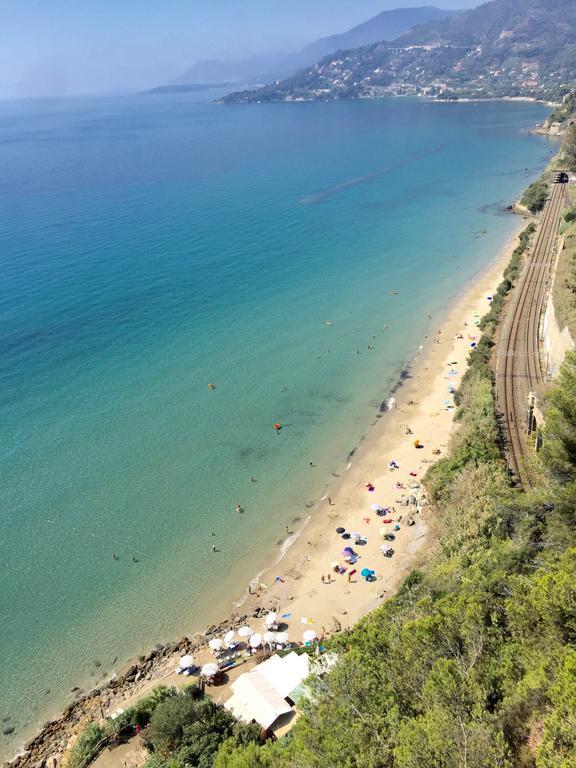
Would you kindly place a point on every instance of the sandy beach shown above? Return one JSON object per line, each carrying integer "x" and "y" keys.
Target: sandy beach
{"x": 297, "y": 586}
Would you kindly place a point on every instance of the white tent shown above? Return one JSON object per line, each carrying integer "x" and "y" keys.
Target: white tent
{"x": 285, "y": 674}
{"x": 255, "y": 699}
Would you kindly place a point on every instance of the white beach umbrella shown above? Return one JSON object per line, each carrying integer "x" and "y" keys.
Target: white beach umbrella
{"x": 384, "y": 531}
{"x": 282, "y": 637}
{"x": 270, "y": 619}
{"x": 209, "y": 670}
{"x": 215, "y": 644}
{"x": 269, "y": 637}
{"x": 245, "y": 632}
{"x": 229, "y": 637}
{"x": 376, "y": 507}
{"x": 186, "y": 662}
{"x": 255, "y": 640}
{"x": 309, "y": 636}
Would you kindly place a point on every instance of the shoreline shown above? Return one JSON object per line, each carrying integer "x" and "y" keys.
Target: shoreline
{"x": 304, "y": 557}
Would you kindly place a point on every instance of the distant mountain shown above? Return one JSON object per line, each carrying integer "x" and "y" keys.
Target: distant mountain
{"x": 512, "y": 48}
{"x": 388, "y": 25}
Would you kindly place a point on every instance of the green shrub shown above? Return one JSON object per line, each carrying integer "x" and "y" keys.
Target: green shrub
{"x": 124, "y": 726}
{"x": 88, "y": 746}
{"x": 535, "y": 196}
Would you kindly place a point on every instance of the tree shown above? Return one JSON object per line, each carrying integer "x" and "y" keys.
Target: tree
{"x": 558, "y": 745}
{"x": 168, "y": 723}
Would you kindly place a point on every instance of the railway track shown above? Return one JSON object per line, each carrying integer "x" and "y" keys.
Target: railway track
{"x": 519, "y": 367}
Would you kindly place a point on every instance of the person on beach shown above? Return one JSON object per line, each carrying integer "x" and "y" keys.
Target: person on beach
{"x": 330, "y": 501}
{"x": 310, "y": 462}
{"x": 115, "y": 556}
{"x": 214, "y": 548}
{"x": 239, "y": 508}
{"x": 252, "y": 479}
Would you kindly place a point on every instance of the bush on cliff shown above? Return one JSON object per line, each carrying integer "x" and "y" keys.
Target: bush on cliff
{"x": 535, "y": 196}
{"x": 90, "y": 743}
{"x": 188, "y": 729}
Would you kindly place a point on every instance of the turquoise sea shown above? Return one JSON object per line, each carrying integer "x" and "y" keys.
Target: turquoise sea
{"x": 149, "y": 246}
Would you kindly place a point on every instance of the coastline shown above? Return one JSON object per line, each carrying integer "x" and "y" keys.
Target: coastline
{"x": 305, "y": 556}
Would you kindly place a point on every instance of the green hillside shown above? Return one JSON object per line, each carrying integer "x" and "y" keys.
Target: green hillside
{"x": 505, "y": 48}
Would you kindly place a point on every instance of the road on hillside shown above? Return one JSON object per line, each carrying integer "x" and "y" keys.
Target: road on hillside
{"x": 519, "y": 372}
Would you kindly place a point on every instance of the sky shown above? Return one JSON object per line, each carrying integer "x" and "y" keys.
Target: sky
{"x": 71, "y": 47}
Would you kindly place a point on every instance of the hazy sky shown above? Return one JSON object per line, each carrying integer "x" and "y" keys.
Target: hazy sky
{"x": 58, "y": 47}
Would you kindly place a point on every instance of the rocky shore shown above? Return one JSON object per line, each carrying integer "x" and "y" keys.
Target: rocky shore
{"x": 47, "y": 748}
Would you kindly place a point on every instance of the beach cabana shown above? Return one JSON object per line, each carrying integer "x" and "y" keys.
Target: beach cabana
{"x": 215, "y": 644}
{"x": 269, "y": 638}
{"x": 245, "y": 631}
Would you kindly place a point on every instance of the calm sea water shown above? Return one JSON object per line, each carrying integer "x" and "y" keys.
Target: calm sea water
{"x": 150, "y": 246}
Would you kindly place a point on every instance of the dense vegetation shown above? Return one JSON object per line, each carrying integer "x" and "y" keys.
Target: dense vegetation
{"x": 502, "y": 48}
{"x": 180, "y": 729}
{"x": 535, "y": 196}
{"x": 565, "y": 111}
{"x": 473, "y": 663}
{"x": 569, "y": 147}
{"x": 564, "y": 291}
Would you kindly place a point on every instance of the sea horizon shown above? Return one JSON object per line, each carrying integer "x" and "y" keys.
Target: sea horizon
{"x": 288, "y": 255}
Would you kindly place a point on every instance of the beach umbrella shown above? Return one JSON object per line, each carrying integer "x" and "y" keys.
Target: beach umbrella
{"x": 215, "y": 644}
{"x": 383, "y": 531}
{"x": 376, "y": 507}
{"x": 270, "y": 619}
{"x": 309, "y": 635}
{"x": 245, "y": 632}
{"x": 282, "y": 637}
{"x": 255, "y": 640}
{"x": 269, "y": 637}
{"x": 186, "y": 662}
{"x": 366, "y": 572}
{"x": 228, "y": 637}
{"x": 209, "y": 670}
{"x": 340, "y": 530}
